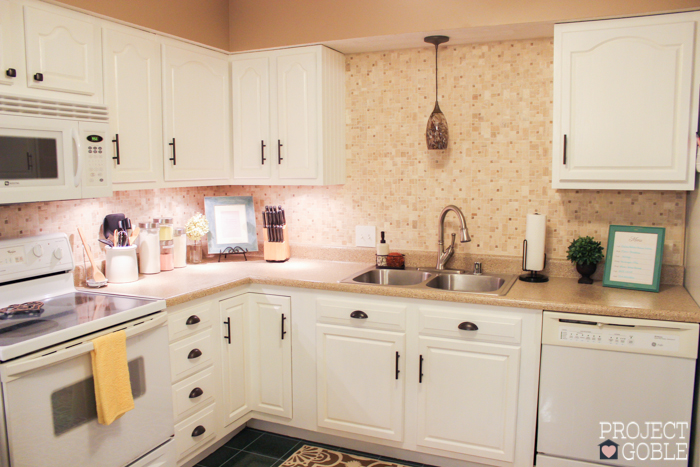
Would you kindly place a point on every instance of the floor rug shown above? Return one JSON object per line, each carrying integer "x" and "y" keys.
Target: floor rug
{"x": 314, "y": 456}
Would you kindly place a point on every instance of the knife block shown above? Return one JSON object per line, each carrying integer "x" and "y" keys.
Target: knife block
{"x": 277, "y": 252}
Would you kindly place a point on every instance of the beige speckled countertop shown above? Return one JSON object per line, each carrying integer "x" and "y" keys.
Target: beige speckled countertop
{"x": 672, "y": 303}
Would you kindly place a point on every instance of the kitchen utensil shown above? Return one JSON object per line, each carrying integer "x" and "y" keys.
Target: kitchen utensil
{"x": 106, "y": 242}
{"x": 98, "y": 279}
{"x": 134, "y": 235}
{"x": 111, "y": 223}
{"x": 121, "y": 238}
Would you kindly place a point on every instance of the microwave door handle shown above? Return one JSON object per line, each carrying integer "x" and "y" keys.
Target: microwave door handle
{"x": 77, "y": 156}
{"x": 13, "y": 371}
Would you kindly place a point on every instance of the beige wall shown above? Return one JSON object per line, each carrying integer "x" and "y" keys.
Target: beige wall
{"x": 204, "y": 21}
{"x": 258, "y": 24}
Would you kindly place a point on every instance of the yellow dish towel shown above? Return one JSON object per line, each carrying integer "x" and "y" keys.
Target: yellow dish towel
{"x": 111, "y": 373}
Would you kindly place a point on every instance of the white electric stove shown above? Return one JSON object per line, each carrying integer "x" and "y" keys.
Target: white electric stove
{"x": 46, "y": 328}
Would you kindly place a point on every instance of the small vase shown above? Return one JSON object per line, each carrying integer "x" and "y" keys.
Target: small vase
{"x": 586, "y": 271}
{"x": 194, "y": 251}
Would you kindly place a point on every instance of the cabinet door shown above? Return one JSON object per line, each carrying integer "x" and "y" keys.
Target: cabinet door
{"x": 195, "y": 115}
{"x": 233, "y": 316}
{"x": 64, "y": 49}
{"x": 271, "y": 354}
{"x": 623, "y": 103}
{"x": 253, "y": 152}
{"x": 11, "y": 47}
{"x": 360, "y": 381}
{"x": 297, "y": 115}
{"x": 467, "y": 397}
{"x": 133, "y": 95}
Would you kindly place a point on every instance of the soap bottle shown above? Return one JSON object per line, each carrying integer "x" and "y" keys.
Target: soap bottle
{"x": 383, "y": 247}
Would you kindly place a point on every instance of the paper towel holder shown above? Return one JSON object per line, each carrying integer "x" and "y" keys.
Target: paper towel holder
{"x": 532, "y": 276}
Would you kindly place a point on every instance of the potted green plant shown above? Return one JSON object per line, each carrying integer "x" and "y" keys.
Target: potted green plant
{"x": 586, "y": 253}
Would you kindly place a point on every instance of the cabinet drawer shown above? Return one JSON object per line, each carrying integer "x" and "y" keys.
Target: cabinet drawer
{"x": 361, "y": 313}
{"x": 492, "y": 327}
{"x": 193, "y": 393}
{"x": 203, "y": 422}
{"x": 190, "y": 355}
{"x": 189, "y": 321}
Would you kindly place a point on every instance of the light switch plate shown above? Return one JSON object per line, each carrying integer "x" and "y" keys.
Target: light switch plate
{"x": 366, "y": 235}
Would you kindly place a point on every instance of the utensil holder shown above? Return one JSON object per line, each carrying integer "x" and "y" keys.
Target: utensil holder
{"x": 121, "y": 264}
{"x": 277, "y": 252}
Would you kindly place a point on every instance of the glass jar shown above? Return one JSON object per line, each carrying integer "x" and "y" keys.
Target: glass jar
{"x": 166, "y": 227}
{"x": 180, "y": 247}
{"x": 149, "y": 248}
{"x": 167, "y": 255}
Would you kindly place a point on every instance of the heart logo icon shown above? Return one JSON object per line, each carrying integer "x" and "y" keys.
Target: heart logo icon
{"x": 608, "y": 451}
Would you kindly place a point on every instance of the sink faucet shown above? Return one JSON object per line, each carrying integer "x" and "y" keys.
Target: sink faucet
{"x": 444, "y": 255}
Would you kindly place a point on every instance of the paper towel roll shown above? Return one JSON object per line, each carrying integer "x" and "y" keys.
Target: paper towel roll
{"x": 535, "y": 230}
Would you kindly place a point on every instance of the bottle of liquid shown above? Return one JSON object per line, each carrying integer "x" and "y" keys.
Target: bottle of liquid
{"x": 383, "y": 247}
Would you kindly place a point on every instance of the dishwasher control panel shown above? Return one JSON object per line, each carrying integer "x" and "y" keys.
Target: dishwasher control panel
{"x": 643, "y": 339}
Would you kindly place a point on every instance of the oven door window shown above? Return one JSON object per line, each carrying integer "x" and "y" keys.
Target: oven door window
{"x": 28, "y": 157}
{"x": 75, "y": 405}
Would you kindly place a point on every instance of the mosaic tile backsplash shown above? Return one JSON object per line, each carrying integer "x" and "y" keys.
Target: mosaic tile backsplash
{"x": 497, "y": 98}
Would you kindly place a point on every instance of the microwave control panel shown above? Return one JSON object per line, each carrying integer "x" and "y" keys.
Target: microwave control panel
{"x": 97, "y": 154}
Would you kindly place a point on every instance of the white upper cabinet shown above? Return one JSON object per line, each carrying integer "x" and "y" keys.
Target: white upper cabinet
{"x": 62, "y": 51}
{"x": 195, "y": 115}
{"x": 626, "y": 103}
{"x": 11, "y": 45}
{"x": 132, "y": 77}
{"x": 288, "y": 117}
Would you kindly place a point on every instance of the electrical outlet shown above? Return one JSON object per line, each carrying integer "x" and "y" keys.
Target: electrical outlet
{"x": 366, "y": 235}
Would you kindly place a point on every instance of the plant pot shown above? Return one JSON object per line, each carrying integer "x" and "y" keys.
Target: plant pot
{"x": 586, "y": 271}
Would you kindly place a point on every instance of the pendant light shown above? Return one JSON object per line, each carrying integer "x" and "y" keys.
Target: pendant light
{"x": 436, "y": 133}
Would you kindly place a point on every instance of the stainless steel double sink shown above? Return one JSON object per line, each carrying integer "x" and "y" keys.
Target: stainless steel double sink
{"x": 454, "y": 281}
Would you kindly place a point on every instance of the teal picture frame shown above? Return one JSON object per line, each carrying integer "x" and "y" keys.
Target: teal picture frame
{"x": 633, "y": 261}
{"x": 231, "y": 223}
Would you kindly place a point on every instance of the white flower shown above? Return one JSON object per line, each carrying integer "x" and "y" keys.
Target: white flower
{"x": 197, "y": 227}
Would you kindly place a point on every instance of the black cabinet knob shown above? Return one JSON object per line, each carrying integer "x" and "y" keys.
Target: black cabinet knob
{"x": 11, "y": 72}
{"x": 194, "y": 319}
{"x": 198, "y": 431}
{"x": 357, "y": 314}
{"x": 196, "y": 392}
{"x": 467, "y": 326}
{"x": 194, "y": 353}
{"x": 38, "y": 77}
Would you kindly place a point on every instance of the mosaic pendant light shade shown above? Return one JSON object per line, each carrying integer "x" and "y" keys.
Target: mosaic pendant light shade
{"x": 436, "y": 133}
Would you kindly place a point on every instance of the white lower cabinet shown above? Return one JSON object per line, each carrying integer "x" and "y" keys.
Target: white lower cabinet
{"x": 234, "y": 361}
{"x": 360, "y": 380}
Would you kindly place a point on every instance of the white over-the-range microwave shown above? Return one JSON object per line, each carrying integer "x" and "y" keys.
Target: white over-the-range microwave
{"x": 52, "y": 150}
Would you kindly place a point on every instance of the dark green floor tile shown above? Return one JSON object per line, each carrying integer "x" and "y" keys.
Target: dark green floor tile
{"x": 244, "y": 438}
{"x": 272, "y": 445}
{"x": 248, "y": 459}
{"x": 402, "y": 462}
{"x": 218, "y": 457}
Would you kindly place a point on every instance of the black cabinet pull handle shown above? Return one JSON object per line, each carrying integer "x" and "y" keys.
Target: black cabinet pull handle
{"x": 30, "y": 166}
{"x": 283, "y": 331}
{"x": 420, "y": 370}
{"x": 194, "y": 319}
{"x": 174, "y": 158}
{"x": 38, "y": 77}
{"x": 116, "y": 140}
{"x": 228, "y": 326}
{"x": 262, "y": 151}
{"x": 279, "y": 151}
{"x": 467, "y": 326}
{"x": 564, "y": 149}
{"x": 198, "y": 431}
{"x": 11, "y": 73}
{"x": 194, "y": 353}
{"x": 397, "y": 365}
{"x": 357, "y": 314}
{"x": 196, "y": 392}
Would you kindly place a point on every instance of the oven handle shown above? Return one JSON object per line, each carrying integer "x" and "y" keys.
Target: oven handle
{"x": 76, "y": 147}
{"x": 12, "y": 371}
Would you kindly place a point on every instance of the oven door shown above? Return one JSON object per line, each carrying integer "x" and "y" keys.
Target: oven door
{"x": 50, "y": 403}
{"x": 39, "y": 159}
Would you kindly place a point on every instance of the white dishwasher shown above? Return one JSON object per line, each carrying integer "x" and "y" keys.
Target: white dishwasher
{"x": 615, "y": 391}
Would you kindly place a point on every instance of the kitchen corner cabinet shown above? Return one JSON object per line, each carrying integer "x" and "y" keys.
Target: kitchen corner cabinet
{"x": 195, "y": 115}
{"x": 626, "y": 103}
{"x": 132, "y": 77}
{"x": 234, "y": 357}
{"x": 288, "y": 117}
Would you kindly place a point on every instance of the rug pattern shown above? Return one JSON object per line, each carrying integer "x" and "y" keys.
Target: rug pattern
{"x": 314, "y": 456}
